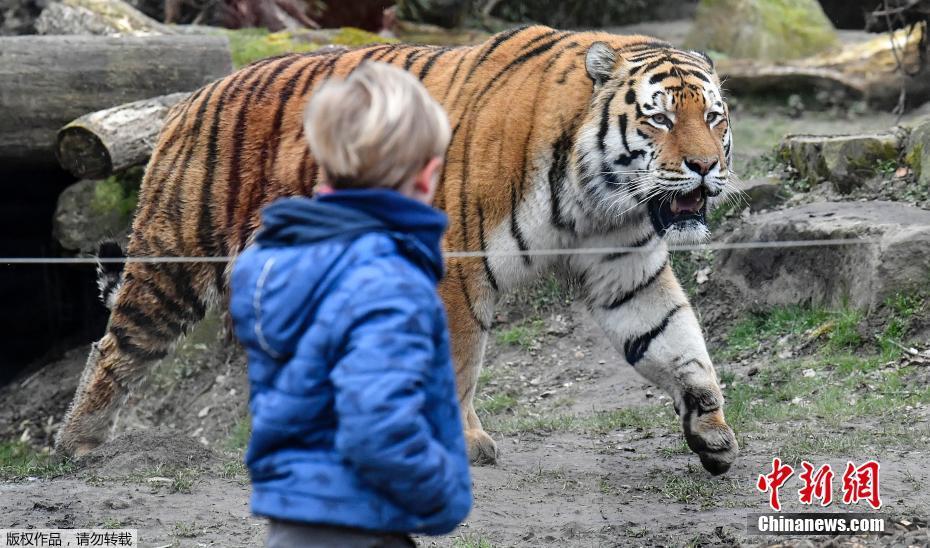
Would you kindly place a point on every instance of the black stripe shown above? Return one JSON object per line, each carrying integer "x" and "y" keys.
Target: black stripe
{"x": 372, "y": 51}
{"x": 168, "y": 328}
{"x": 312, "y": 78}
{"x": 558, "y": 168}
{"x": 428, "y": 65}
{"x": 635, "y": 349}
{"x": 639, "y": 243}
{"x": 206, "y": 237}
{"x": 176, "y": 309}
{"x": 239, "y": 137}
{"x": 175, "y": 204}
{"x": 493, "y": 45}
{"x": 605, "y": 121}
{"x": 286, "y": 94}
{"x": 652, "y": 44}
{"x": 623, "y": 123}
{"x": 412, "y": 58}
{"x": 468, "y": 301}
{"x": 626, "y": 296}
{"x": 484, "y": 248}
{"x": 455, "y": 73}
{"x": 515, "y": 230}
{"x": 129, "y": 348}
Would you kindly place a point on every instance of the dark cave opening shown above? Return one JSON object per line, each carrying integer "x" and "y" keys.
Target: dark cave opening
{"x": 46, "y": 308}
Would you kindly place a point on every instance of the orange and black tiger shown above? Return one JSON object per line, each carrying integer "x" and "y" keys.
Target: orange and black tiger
{"x": 560, "y": 140}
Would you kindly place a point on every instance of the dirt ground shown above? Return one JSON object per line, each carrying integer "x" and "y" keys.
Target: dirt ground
{"x": 591, "y": 454}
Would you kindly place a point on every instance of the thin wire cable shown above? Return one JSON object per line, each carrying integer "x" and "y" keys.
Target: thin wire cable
{"x": 713, "y": 246}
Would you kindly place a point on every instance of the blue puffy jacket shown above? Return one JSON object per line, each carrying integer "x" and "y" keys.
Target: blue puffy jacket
{"x": 355, "y": 420}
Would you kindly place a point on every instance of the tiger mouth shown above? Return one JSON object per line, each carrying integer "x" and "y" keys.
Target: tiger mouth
{"x": 679, "y": 210}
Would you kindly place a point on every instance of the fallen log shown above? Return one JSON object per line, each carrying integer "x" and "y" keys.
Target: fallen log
{"x": 97, "y": 144}
{"x": 869, "y": 70}
{"x": 48, "y": 81}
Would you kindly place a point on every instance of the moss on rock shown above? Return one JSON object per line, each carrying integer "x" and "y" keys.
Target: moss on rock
{"x": 773, "y": 30}
{"x": 250, "y": 45}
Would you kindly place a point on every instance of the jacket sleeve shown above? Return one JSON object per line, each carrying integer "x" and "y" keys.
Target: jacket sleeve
{"x": 379, "y": 385}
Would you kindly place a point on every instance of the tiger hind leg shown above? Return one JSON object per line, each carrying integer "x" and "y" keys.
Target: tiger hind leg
{"x": 469, "y": 336}
{"x": 152, "y": 308}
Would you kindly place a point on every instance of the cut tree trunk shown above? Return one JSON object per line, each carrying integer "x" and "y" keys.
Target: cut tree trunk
{"x": 48, "y": 81}
{"x": 97, "y": 144}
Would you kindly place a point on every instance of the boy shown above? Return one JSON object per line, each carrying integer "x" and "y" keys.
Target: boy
{"x": 356, "y": 435}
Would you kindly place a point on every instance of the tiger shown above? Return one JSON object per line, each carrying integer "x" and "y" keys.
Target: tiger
{"x": 560, "y": 141}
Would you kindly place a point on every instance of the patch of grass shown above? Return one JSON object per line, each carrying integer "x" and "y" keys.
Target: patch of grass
{"x": 886, "y": 167}
{"x": 545, "y": 294}
{"x": 839, "y": 327}
{"x": 492, "y": 404}
{"x": 239, "y": 437}
{"x": 752, "y": 332}
{"x": 916, "y": 482}
{"x": 522, "y": 335}
{"x": 471, "y": 541}
{"x": 185, "y": 530}
{"x": 235, "y": 468}
{"x": 904, "y": 307}
{"x": 686, "y": 264}
{"x": 183, "y": 481}
{"x": 111, "y": 523}
{"x": 19, "y": 460}
{"x": 599, "y": 423}
{"x": 805, "y": 444}
{"x": 685, "y": 489}
{"x": 676, "y": 450}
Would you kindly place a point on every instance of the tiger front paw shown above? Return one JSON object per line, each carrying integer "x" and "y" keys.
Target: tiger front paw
{"x": 712, "y": 439}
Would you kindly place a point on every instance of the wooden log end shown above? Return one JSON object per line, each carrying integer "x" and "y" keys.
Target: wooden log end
{"x": 82, "y": 153}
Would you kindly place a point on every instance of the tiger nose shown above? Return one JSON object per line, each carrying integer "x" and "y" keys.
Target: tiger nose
{"x": 701, "y": 166}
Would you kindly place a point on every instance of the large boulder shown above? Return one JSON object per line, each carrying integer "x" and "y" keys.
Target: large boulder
{"x": 90, "y": 211}
{"x": 917, "y": 154}
{"x": 845, "y": 160}
{"x": 894, "y": 255}
{"x": 773, "y": 30}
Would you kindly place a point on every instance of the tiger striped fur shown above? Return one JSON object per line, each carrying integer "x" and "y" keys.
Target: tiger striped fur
{"x": 560, "y": 140}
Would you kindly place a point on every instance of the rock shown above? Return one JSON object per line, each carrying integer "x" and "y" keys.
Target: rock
{"x": 590, "y": 13}
{"x": 90, "y": 211}
{"x": 862, "y": 275}
{"x": 917, "y": 154}
{"x": 97, "y": 17}
{"x": 774, "y": 30}
{"x": 844, "y": 160}
{"x": 763, "y": 193}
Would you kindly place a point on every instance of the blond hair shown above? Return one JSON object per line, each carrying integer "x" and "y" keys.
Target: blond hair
{"x": 376, "y": 128}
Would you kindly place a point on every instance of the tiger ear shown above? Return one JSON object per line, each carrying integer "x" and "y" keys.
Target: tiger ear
{"x": 599, "y": 62}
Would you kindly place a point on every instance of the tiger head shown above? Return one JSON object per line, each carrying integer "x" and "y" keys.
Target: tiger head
{"x": 657, "y": 139}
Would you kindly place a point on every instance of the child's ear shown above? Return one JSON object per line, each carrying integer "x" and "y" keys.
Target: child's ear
{"x": 428, "y": 177}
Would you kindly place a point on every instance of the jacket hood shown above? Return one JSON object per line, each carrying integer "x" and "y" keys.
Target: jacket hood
{"x": 347, "y": 214}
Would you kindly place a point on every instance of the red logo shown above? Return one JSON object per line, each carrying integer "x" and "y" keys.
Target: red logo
{"x": 858, "y": 483}
{"x": 861, "y": 484}
{"x": 816, "y": 485}
{"x": 771, "y": 482}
